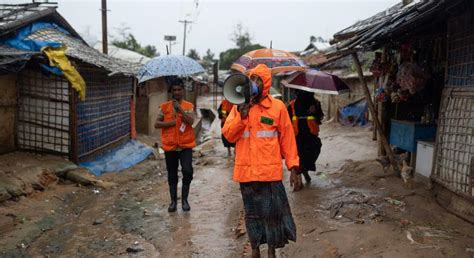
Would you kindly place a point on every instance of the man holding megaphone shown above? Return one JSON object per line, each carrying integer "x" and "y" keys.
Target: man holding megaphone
{"x": 261, "y": 129}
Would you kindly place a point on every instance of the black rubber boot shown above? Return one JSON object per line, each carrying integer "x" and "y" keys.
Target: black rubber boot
{"x": 184, "y": 198}
{"x": 306, "y": 176}
{"x": 174, "y": 198}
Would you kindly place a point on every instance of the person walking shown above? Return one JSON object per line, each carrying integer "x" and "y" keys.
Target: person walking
{"x": 175, "y": 118}
{"x": 263, "y": 134}
{"x": 306, "y": 116}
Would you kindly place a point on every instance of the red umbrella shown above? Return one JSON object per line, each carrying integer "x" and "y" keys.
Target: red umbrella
{"x": 317, "y": 82}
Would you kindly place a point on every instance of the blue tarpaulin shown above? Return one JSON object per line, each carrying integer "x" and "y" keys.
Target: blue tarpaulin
{"x": 354, "y": 113}
{"x": 20, "y": 41}
{"x": 119, "y": 159}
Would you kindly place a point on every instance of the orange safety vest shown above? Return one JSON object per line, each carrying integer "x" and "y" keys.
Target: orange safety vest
{"x": 174, "y": 136}
{"x": 312, "y": 124}
{"x": 263, "y": 138}
{"x": 226, "y": 107}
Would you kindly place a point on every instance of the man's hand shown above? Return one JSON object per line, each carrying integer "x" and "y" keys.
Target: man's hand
{"x": 161, "y": 124}
{"x": 295, "y": 180}
{"x": 177, "y": 106}
{"x": 244, "y": 110}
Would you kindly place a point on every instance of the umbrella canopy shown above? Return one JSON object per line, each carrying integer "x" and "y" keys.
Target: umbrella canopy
{"x": 317, "y": 82}
{"x": 169, "y": 65}
{"x": 277, "y": 60}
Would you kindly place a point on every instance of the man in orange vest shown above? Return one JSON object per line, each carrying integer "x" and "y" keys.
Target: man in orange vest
{"x": 306, "y": 115}
{"x": 175, "y": 119}
{"x": 224, "y": 109}
{"x": 263, "y": 134}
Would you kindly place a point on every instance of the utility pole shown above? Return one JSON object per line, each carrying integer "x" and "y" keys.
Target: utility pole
{"x": 104, "y": 27}
{"x": 184, "y": 37}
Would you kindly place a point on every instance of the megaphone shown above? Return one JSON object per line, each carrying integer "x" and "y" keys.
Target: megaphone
{"x": 238, "y": 89}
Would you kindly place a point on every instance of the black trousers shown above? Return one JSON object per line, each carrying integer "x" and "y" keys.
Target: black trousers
{"x": 309, "y": 148}
{"x": 173, "y": 158}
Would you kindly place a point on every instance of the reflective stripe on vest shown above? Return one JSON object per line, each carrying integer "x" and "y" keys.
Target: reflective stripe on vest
{"x": 267, "y": 134}
{"x": 246, "y": 134}
{"x": 312, "y": 123}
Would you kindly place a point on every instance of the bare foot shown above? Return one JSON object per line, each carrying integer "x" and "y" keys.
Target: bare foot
{"x": 271, "y": 252}
{"x": 256, "y": 253}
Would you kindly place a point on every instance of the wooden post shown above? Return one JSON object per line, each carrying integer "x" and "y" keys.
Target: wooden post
{"x": 376, "y": 83}
{"x": 372, "y": 111}
{"x": 105, "y": 44}
{"x": 74, "y": 146}
{"x": 329, "y": 107}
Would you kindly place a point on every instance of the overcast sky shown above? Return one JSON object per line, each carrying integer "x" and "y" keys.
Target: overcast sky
{"x": 289, "y": 24}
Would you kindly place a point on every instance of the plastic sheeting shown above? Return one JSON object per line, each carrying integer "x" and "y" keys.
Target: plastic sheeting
{"x": 20, "y": 41}
{"x": 119, "y": 159}
{"x": 55, "y": 52}
{"x": 354, "y": 113}
{"x": 57, "y": 58}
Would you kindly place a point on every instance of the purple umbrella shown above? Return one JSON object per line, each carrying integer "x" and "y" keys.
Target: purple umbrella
{"x": 317, "y": 82}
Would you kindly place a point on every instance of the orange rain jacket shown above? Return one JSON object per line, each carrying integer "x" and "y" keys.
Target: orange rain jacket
{"x": 263, "y": 138}
{"x": 182, "y": 134}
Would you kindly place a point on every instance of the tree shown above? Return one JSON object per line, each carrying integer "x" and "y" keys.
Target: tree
{"x": 241, "y": 36}
{"x": 242, "y": 39}
{"x": 193, "y": 54}
{"x": 209, "y": 57}
{"x": 126, "y": 40}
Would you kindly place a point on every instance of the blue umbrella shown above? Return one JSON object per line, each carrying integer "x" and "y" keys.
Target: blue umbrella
{"x": 169, "y": 65}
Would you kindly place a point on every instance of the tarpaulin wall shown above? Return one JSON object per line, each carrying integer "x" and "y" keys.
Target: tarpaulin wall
{"x": 43, "y": 112}
{"x": 103, "y": 119}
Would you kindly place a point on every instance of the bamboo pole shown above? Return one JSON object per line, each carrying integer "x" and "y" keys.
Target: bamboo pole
{"x": 374, "y": 115}
{"x": 376, "y": 84}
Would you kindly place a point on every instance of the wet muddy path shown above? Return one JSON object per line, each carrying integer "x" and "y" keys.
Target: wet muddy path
{"x": 353, "y": 211}
{"x": 131, "y": 218}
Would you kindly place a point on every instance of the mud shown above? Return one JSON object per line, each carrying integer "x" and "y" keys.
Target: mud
{"x": 350, "y": 209}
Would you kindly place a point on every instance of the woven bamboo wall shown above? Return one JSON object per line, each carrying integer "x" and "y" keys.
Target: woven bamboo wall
{"x": 455, "y": 140}
{"x": 103, "y": 119}
{"x": 455, "y": 148}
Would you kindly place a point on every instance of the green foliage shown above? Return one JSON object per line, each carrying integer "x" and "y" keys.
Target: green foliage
{"x": 231, "y": 55}
{"x": 128, "y": 41}
{"x": 194, "y": 54}
{"x": 209, "y": 57}
{"x": 243, "y": 41}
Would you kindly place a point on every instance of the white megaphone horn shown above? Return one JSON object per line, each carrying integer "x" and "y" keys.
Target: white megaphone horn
{"x": 238, "y": 89}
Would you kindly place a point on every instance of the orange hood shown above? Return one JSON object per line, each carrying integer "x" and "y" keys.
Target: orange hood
{"x": 265, "y": 74}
